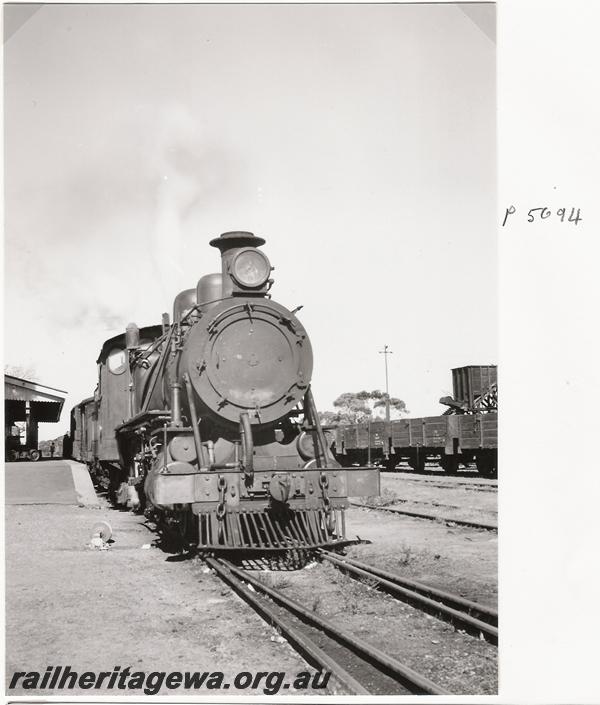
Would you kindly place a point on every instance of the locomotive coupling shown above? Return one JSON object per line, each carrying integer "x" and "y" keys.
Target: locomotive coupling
{"x": 280, "y": 487}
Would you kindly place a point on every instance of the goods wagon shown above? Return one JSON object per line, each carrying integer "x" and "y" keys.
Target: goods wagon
{"x": 467, "y": 432}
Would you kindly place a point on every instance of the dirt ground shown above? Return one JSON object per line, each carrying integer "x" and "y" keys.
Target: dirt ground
{"x": 143, "y": 608}
{"x": 459, "y": 560}
{"x": 453, "y": 498}
{"x": 127, "y": 606}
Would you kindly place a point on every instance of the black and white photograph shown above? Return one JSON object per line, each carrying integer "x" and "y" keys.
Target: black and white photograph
{"x": 252, "y": 350}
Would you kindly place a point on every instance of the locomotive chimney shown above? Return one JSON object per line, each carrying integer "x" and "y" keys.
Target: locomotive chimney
{"x": 230, "y": 244}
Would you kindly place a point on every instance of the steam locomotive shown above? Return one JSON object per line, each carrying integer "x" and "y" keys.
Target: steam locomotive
{"x": 209, "y": 423}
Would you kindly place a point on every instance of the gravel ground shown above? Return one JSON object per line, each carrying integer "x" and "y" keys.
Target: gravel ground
{"x": 130, "y": 606}
{"x": 460, "y": 663}
{"x": 457, "y": 559}
{"x": 455, "y": 501}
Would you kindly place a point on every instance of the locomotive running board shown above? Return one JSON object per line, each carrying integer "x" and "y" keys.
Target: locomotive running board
{"x": 264, "y": 531}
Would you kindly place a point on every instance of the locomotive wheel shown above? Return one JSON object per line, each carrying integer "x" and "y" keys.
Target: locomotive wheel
{"x": 34, "y": 455}
{"x": 179, "y": 531}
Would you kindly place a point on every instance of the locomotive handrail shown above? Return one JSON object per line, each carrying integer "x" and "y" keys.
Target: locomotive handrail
{"x": 197, "y": 307}
{"x": 314, "y": 418}
{"x": 251, "y": 308}
{"x": 247, "y": 461}
{"x": 158, "y": 372}
{"x": 142, "y": 355}
{"x": 194, "y": 415}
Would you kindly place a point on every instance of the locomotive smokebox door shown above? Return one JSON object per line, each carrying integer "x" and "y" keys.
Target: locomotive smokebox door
{"x": 250, "y": 355}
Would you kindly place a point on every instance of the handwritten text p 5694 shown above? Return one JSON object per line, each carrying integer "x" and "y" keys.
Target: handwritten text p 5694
{"x": 565, "y": 215}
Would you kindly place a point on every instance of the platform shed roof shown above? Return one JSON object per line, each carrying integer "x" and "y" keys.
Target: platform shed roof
{"x": 46, "y": 402}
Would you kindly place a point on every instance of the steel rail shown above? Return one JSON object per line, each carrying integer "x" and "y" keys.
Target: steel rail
{"x": 388, "y": 665}
{"x": 433, "y": 503}
{"x": 433, "y": 517}
{"x": 443, "y": 482}
{"x": 300, "y": 642}
{"x": 437, "y": 607}
{"x": 486, "y": 613}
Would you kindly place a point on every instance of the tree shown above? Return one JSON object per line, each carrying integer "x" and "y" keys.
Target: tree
{"x": 330, "y": 418}
{"x": 353, "y": 406}
{"x": 356, "y": 407}
{"x": 395, "y": 405}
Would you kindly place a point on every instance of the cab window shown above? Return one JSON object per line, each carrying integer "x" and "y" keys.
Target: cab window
{"x": 117, "y": 361}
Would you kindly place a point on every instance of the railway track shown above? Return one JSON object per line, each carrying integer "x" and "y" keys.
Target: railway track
{"x": 433, "y": 503}
{"x": 445, "y": 483}
{"x": 357, "y": 666}
{"x": 473, "y": 617}
{"x": 432, "y": 517}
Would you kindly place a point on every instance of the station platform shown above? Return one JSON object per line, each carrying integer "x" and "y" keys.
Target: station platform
{"x": 49, "y": 482}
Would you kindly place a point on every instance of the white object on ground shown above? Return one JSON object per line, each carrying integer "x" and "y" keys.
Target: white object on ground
{"x": 103, "y": 529}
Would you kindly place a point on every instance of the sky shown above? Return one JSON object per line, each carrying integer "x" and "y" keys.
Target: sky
{"x": 358, "y": 140}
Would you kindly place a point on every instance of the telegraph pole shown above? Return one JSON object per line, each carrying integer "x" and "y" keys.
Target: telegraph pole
{"x": 385, "y": 352}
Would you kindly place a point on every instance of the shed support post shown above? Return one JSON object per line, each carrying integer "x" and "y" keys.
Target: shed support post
{"x": 31, "y": 428}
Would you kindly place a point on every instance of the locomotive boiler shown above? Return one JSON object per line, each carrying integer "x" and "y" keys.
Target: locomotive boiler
{"x": 209, "y": 421}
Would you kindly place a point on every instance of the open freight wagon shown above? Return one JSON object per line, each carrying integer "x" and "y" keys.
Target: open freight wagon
{"x": 466, "y": 433}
